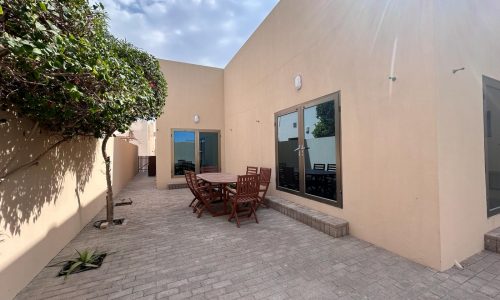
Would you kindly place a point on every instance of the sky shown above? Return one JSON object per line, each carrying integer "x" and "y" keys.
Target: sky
{"x": 206, "y": 32}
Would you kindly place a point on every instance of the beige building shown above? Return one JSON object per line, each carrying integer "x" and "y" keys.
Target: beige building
{"x": 142, "y": 134}
{"x": 371, "y": 111}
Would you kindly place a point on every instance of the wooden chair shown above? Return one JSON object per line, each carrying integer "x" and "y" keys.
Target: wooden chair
{"x": 247, "y": 193}
{"x": 319, "y": 167}
{"x": 209, "y": 169}
{"x": 265, "y": 180}
{"x": 203, "y": 192}
{"x": 190, "y": 186}
{"x": 331, "y": 167}
{"x": 252, "y": 170}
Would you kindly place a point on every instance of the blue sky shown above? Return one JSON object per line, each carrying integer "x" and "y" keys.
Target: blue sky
{"x": 206, "y": 32}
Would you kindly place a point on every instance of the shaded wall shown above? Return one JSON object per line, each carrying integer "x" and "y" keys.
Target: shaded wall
{"x": 192, "y": 90}
{"x": 43, "y": 207}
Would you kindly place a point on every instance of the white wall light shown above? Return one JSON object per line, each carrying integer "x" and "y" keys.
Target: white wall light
{"x": 196, "y": 119}
{"x": 298, "y": 82}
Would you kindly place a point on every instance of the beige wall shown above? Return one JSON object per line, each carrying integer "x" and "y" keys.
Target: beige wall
{"x": 43, "y": 207}
{"x": 389, "y": 138}
{"x": 412, "y": 149}
{"x": 124, "y": 163}
{"x": 192, "y": 90}
{"x": 144, "y": 134}
{"x": 469, "y": 40}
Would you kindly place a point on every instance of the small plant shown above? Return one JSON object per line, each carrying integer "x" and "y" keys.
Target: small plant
{"x": 86, "y": 260}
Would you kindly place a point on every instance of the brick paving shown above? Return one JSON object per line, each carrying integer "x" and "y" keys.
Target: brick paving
{"x": 164, "y": 252}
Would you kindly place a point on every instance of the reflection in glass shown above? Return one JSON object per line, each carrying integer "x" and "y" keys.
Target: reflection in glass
{"x": 320, "y": 164}
{"x": 288, "y": 144}
{"x": 492, "y": 140}
{"x": 184, "y": 148}
{"x": 209, "y": 152}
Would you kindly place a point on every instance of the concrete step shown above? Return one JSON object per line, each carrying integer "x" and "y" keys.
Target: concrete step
{"x": 330, "y": 225}
{"x": 492, "y": 240}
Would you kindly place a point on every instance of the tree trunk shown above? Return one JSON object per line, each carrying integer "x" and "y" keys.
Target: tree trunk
{"x": 109, "y": 194}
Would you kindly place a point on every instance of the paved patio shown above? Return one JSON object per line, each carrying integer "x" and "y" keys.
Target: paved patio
{"x": 165, "y": 252}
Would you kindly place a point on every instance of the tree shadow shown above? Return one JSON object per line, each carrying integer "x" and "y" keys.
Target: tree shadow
{"x": 26, "y": 192}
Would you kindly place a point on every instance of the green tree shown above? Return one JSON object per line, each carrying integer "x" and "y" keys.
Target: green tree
{"x": 325, "y": 112}
{"x": 60, "y": 67}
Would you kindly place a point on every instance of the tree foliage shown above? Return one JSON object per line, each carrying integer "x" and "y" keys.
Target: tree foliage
{"x": 60, "y": 67}
{"x": 325, "y": 112}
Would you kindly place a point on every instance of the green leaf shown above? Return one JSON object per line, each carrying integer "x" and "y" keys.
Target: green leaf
{"x": 1, "y": 10}
{"x": 72, "y": 268}
{"x": 36, "y": 51}
{"x": 39, "y": 26}
{"x": 42, "y": 6}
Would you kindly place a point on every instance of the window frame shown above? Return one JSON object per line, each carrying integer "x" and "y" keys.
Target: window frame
{"x": 299, "y": 108}
{"x": 196, "y": 149}
{"x": 488, "y": 81}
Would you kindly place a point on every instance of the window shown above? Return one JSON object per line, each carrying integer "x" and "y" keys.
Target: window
{"x": 195, "y": 150}
{"x": 491, "y": 101}
{"x": 308, "y": 152}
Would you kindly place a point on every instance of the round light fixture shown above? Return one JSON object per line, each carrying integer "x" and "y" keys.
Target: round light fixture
{"x": 298, "y": 82}
{"x": 196, "y": 119}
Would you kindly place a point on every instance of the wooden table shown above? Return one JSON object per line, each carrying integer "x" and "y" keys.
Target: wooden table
{"x": 222, "y": 180}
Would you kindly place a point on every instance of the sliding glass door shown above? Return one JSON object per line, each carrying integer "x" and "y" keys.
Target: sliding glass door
{"x": 307, "y": 150}
{"x": 491, "y": 92}
{"x": 288, "y": 150}
{"x": 195, "y": 150}
{"x": 209, "y": 152}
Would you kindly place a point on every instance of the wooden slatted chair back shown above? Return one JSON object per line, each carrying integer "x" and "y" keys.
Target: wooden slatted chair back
{"x": 252, "y": 170}
{"x": 247, "y": 186}
{"x": 188, "y": 175}
{"x": 265, "y": 176}
{"x": 265, "y": 180}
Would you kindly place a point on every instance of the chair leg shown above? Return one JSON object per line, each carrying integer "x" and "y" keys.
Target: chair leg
{"x": 200, "y": 212}
{"x": 252, "y": 207}
{"x": 232, "y": 212}
{"x": 236, "y": 215}
{"x": 191, "y": 204}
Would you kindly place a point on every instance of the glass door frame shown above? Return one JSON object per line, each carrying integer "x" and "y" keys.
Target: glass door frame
{"x": 335, "y": 97}
{"x": 488, "y": 82}
{"x": 196, "y": 149}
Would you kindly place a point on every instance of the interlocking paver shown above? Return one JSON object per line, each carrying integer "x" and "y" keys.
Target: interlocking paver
{"x": 165, "y": 252}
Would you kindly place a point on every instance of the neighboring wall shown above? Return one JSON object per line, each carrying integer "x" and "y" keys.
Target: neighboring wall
{"x": 124, "y": 163}
{"x": 192, "y": 90}
{"x": 389, "y": 135}
{"x": 467, "y": 35}
{"x": 43, "y": 207}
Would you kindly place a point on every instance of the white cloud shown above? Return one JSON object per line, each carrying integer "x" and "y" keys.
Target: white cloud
{"x": 198, "y": 31}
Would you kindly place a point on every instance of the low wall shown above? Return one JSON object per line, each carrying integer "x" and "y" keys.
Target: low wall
{"x": 124, "y": 163}
{"x": 44, "y": 206}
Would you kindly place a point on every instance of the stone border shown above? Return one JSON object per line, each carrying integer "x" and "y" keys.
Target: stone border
{"x": 330, "y": 225}
{"x": 176, "y": 186}
{"x": 492, "y": 240}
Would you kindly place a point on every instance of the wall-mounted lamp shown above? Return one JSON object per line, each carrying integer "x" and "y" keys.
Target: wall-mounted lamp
{"x": 196, "y": 119}
{"x": 298, "y": 82}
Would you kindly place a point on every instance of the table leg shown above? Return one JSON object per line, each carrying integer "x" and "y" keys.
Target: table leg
{"x": 224, "y": 199}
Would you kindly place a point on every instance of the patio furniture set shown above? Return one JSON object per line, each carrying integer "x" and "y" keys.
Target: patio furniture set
{"x": 240, "y": 195}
